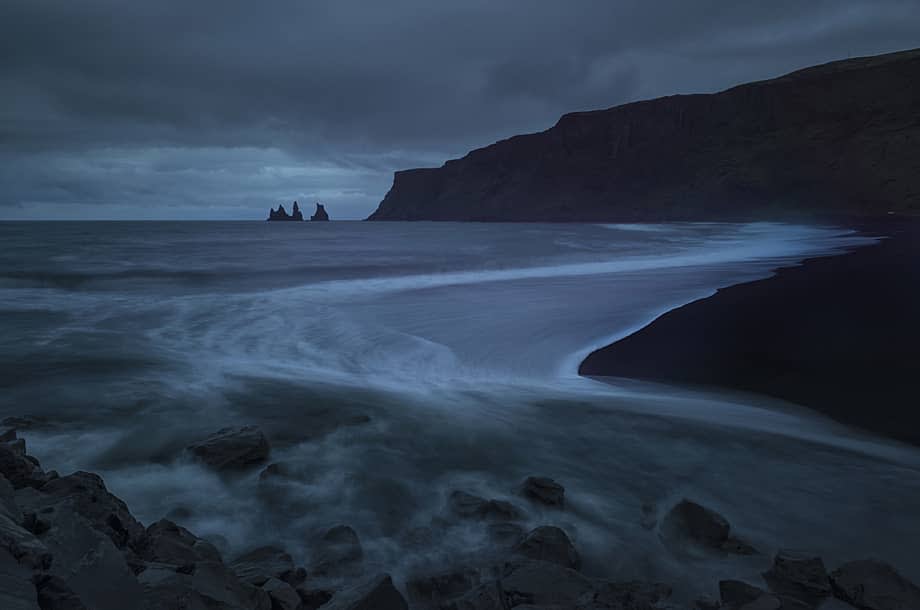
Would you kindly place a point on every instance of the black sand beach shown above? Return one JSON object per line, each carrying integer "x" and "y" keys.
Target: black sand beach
{"x": 836, "y": 334}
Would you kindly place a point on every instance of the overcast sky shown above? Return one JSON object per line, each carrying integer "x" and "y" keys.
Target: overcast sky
{"x": 222, "y": 108}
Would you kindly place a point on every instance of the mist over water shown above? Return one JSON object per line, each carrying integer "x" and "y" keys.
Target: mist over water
{"x": 391, "y": 363}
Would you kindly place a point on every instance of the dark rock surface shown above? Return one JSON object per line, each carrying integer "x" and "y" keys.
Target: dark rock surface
{"x": 468, "y": 506}
{"x": 543, "y": 490}
{"x": 337, "y": 551}
{"x": 782, "y": 336}
{"x": 320, "y": 213}
{"x": 232, "y": 448}
{"x": 260, "y": 565}
{"x": 72, "y": 545}
{"x": 281, "y": 213}
{"x": 799, "y": 575}
{"x": 689, "y": 522}
{"x": 736, "y": 594}
{"x": 874, "y": 585}
{"x": 376, "y": 593}
{"x": 548, "y": 543}
{"x": 439, "y": 588}
{"x": 172, "y": 544}
{"x": 837, "y": 138}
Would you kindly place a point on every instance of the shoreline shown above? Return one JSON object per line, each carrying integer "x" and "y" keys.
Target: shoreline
{"x": 67, "y": 542}
{"x": 835, "y": 334}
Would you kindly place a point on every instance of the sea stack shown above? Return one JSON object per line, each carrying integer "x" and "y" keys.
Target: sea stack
{"x": 320, "y": 213}
{"x": 281, "y": 213}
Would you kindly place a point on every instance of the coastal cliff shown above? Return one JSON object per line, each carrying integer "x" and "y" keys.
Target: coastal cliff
{"x": 841, "y": 138}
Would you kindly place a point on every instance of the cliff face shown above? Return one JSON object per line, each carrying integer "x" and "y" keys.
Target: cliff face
{"x": 842, "y": 138}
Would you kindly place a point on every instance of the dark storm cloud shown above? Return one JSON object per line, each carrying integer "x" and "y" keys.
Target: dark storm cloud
{"x": 207, "y": 107}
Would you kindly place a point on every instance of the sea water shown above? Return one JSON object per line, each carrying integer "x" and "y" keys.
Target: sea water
{"x": 391, "y": 363}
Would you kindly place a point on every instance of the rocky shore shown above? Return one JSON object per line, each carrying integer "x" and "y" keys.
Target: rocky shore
{"x": 67, "y": 543}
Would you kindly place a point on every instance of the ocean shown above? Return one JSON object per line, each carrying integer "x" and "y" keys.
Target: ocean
{"x": 391, "y": 363}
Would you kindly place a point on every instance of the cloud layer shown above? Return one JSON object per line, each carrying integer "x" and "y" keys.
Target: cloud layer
{"x": 112, "y": 109}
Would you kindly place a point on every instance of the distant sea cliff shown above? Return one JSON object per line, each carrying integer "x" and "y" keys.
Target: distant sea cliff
{"x": 837, "y": 139}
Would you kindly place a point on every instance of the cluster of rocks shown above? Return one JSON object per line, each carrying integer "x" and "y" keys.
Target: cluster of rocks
{"x": 281, "y": 213}
{"x": 67, "y": 543}
{"x": 296, "y": 214}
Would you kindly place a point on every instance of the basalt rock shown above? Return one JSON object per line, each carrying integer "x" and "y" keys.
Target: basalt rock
{"x": 376, "y": 593}
{"x": 338, "y": 551}
{"x": 692, "y": 523}
{"x": 874, "y": 585}
{"x": 548, "y": 543}
{"x": 543, "y": 490}
{"x": 281, "y": 213}
{"x": 282, "y": 595}
{"x": 738, "y": 595}
{"x": 800, "y": 576}
{"x": 320, "y": 213}
{"x": 232, "y": 448}
{"x": 468, "y": 506}
{"x": 172, "y": 544}
{"x": 260, "y": 565}
{"x": 85, "y": 493}
{"x": 19, "y": 468}
{"x": 436, "y": 589}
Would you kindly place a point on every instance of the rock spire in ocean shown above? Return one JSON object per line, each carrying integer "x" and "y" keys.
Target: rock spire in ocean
{"x": 281, "y": 213}
{"x": 320, "y": 213}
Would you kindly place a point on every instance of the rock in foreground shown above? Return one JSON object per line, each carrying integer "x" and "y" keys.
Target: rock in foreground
{"x": 874, "y": 585}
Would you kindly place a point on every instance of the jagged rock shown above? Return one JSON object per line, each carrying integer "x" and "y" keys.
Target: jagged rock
{"x": 874, "y": 585}
{"x": 738, "y": 595}
{"x": 438, "y": 588}
{"x": 338, "y": 551}
{"x": 16, "y": 589}
{"x": 798, "y": 575}
{"x": 8, "y": 505}
{"x": 320, "y": 213}
{"x": 86, "y": 494}
{"x": 544, "y": 491}
{"x": 88, "y": 562}
{"x": 260, "y": 565}
{"x": 505, "y": 533}
{"x": 377, "y": 593}
{"x": 634, "y": 595}
{"x": 313, "y": 598}
{"x": 22, "y": 544}
{"x": 281, "y": 213}
{"x": 232, "y": 448}
{"x": 282, "y": 595}
{"x": 689, "y": 522}
{"x": 543, "y": 583}
{"x": 468, "y": 506}
{"x": 172, "y": 544}
{"x": 55, "y": 594}
{"x": 19, "y": 468}
{"x": 548, "y": 543}
{"x": 206, "y": 586}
